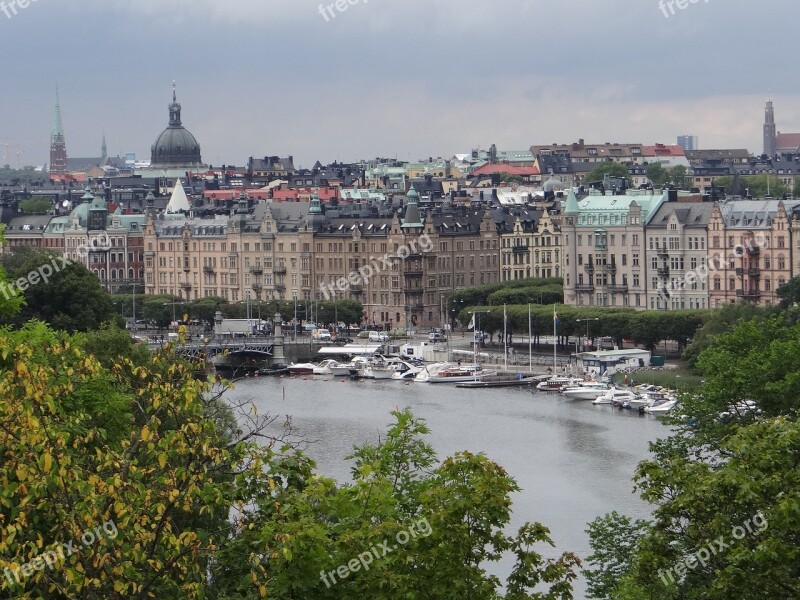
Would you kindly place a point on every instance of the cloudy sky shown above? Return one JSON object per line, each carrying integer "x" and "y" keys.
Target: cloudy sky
{"x": 404, "y": 78}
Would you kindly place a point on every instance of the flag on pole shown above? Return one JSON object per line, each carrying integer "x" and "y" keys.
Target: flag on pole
{"x": 555, "y": 316}
{"x": 472, "y": 322}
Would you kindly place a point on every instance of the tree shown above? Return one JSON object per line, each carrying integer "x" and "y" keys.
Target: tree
{"x": 657, "y": 175}
{"x": 678, "y": 176}
{"x": 611, "y": 168}
{"x": 57, "y": 291}
{"x": 448, "y": 521}
{"x": 36, "y": 206}
{"x": 724, "y": 525}
{"x": 613, "y": 539}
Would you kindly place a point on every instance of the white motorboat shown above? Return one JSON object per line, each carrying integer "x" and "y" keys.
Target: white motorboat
{"x": 378, "y": 368}
{"x": 661, "y": 406}
{"x": 645, "y": 400}
{"x": 615, "y": 396}
{"x": 325, "y": 367}
{"x": 302, "y": 368}
{"x": 405, "y": 371}
{"x": 460, "y": 373}
{"x": 554, "y": 384}
{"x": 588, "y": 390}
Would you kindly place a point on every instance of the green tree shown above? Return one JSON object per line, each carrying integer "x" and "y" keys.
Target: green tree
{"x": 614, "y": 169}
{"x": 36, "y": 206}
{"x": 657, "y": 175}
{"x": 70, "y": 299}
{"x": 679, "y": 177}
{"x": 725, "y": 520}
{"x": 614, "y": 540}
{"x": 453, "y": 516}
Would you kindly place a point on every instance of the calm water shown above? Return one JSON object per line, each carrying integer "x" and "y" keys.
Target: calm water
{"x": 573, "y": 460}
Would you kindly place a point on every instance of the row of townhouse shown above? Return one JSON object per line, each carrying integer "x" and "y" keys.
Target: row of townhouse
{"x": 670, "y": 251}
{"x": 402, "y": 270}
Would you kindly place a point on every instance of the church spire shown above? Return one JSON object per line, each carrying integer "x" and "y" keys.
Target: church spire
{"x": 57, "y": 133}
{"x": 174, "y": 109}
{"x": 58, "y": 145}
{"x": 103, "y": 149}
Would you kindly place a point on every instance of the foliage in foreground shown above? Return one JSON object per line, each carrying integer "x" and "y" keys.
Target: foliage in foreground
{"x": 726, "y": 484}
{"x": 199, "y": 510}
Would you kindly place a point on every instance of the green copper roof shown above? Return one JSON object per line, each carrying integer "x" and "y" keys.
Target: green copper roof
{"x": 315, "y": 208}
{"x": 572, "y": 202}
{"x": 58, "y": 127}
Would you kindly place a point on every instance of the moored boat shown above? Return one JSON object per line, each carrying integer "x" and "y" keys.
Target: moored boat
{"x": 460, "y": 373}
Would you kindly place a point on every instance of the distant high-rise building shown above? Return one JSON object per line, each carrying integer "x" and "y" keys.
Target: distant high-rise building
{"x": 688, "y": 142}
{"x": 770, "y": 137}
{"x": 58, "y": 146}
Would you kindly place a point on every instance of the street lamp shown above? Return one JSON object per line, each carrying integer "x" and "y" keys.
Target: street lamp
{"x": 676, "y": 383}
{"x": 587, "y": 326}
{"x": 173, "y": 308}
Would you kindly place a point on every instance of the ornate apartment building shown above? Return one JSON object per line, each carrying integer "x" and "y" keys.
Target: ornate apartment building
{"x": 402, "y": 270}
{"x": 604, "y": 248}
{"x": 676, "y": 254}
{"x": 530, "y": 244}
{"x": 750, "y": 248}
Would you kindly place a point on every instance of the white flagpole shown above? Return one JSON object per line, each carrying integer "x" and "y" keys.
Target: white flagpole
{"x": 555, "y": 340}
{"x": 530, "y": 343}
{"x": 505, "y": 341}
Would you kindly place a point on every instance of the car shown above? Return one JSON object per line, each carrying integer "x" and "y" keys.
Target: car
{"x": 321, "y": 335}
{"x": 378, "y": 336}
{"x": 435, "y": 336}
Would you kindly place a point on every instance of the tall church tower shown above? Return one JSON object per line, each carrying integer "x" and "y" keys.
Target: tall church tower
{"x": 770, "y": 139}
{"x": 58, "y": 146}
{"x": 103, "y": 150}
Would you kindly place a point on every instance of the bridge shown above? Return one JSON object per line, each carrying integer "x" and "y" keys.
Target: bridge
{"x": 209, "y": 347}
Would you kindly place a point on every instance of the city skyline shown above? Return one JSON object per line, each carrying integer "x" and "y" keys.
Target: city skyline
{"x": 256, "y": 80}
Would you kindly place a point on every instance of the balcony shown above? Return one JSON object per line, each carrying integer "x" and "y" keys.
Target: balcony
{"x": 663, "y": 272}
{"x": 662, "y": 252}
{"x": 584, "y": 287}
{"x": 185, "y": 285}
{"x": 521, "y": 249}
{"x": 753, "y": 250}
{"x": 618, "y": 288}
{"x": 601, "y": 247}
{"x": 415, "y": 291}
{"x": 209, "y": 269}
{"x": 748, "y": 294}
{"x": 356, "y": 289}
{"x": 754, "y": 272}
{"x": 610, "y": 269}
{"x": 589, "y": 268}
{"x": 257, "y": 287}
{"x": 257, "y": 270}
{"x": 279, "y": 270}
{"x": 739, "y": 271}
{"x": 413, "y": 273}
{"x": 280, "y": 287}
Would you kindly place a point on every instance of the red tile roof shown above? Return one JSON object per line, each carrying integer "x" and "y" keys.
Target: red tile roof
{"x": 491, "y": 169}
{"x": 663, "y": 150}
{"x": 785, "y": 141}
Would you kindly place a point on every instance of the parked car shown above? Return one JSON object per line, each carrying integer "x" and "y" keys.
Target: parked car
{"x": 436, "y": 336}
{"x": 378, "y": 336}
{"x": 321, "y": 335}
